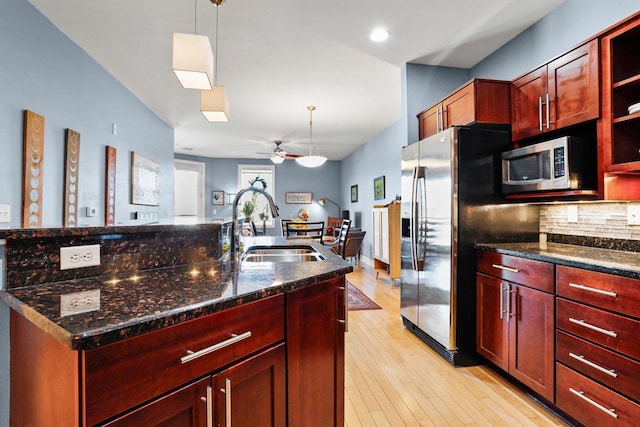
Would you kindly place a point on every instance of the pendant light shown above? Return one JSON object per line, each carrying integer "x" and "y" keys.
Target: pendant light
{"x": 311, "y": 161}
{"x": 192, "y": 58}
{"x": 214, "y": 104}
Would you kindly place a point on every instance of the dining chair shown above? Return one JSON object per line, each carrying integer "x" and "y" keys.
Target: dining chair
{"x": 283, "y": 223}
{"x": 353, "y": 244}
{"x": 309, "y": 229}
{"x": 338, "y": 245}
{"x": 333, "y": 225}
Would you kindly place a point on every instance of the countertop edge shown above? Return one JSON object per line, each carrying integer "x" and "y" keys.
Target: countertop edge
{"x": 599, "y": 259}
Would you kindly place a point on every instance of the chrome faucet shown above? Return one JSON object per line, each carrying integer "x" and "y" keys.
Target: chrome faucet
{"x": 235, "y": 232}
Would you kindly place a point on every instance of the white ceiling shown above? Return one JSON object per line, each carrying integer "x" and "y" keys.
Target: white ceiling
{"x": 277, "y": 57}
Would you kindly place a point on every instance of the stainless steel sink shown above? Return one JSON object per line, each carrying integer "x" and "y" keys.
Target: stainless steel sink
{"x": 281, "y": 254}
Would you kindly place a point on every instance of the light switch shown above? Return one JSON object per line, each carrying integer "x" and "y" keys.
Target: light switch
{"x": 5, "y": 213}
{"x": 633, "y": 215}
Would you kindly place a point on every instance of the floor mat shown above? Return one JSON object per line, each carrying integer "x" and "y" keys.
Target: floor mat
{"x": 359, "y": 301}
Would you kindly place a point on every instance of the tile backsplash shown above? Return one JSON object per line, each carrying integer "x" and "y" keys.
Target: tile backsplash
{"x": 594, "y": 219}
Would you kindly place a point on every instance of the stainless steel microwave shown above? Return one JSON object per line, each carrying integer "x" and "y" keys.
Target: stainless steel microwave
{"x": 566, "y": 163}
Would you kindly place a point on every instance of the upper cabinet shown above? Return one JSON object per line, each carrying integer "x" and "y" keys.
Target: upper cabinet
{"x": 621, "y": 98}
{"x": 478, "y": 101}
{"x": 562, "y": 93}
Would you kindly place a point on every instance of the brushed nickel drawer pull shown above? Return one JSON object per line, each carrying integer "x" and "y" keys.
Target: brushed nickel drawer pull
{"x": 596, "y": 290}
{"x": 191, "y": 355}
{"x": 209, "y": 401}
{"x": 227, "y": 402}
{"x": 580, "y": 358}
{"x": 502, "y": 267}
{"x": 582, "y": 396}
{"x": 593, "y": 327}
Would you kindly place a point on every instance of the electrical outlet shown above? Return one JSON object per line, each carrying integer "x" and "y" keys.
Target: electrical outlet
{"x": 633, "y": 214}
{"x": 79, "y": 302}
{"x": 5, "y": 213}
{"x": 572, "y": 213}
{"x": 79, "y": 256}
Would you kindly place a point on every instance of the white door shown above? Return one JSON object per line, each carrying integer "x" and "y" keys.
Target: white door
{"x": 188, "y": 191}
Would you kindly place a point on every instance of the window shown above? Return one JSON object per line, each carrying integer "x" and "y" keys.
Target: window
{"x": 263, "y": 177}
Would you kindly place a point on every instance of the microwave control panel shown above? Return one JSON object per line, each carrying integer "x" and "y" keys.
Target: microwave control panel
{"x": 558, "y": 162}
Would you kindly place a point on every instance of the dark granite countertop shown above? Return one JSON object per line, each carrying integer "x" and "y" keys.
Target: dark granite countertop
{"x": 610, "y": 261}
{"x": 136, "y": 302}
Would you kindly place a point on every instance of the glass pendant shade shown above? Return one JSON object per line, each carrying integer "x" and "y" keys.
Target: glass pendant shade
{"x": 193, "y": 61}
{"x": 214, "y": 104}
{"x": 277, "y": 159}
{"x": 311, "y": 161}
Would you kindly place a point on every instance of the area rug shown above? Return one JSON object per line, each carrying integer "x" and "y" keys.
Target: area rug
{"x": 359, "y": 301}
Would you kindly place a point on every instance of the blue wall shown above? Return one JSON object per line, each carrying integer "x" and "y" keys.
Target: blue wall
{"x": 45, "y": 72}
{"x": 323, "y": 181}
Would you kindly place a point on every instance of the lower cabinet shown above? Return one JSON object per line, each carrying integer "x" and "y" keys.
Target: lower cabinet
{"x": 274, "y": 362}
{"x": 316, "y": 320}
{"x": 515, "y": 326}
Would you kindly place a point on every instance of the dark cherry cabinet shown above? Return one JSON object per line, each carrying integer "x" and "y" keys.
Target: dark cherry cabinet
{"x": 515, "y": 322}
{"x": 478, "y": 101}
{"x": 621, "y": 90}
{"x": 316, "y": 319}
{"x": 562, "y": 93}
{"x": 252, "y": 393}
{"x": 185, "y": 407}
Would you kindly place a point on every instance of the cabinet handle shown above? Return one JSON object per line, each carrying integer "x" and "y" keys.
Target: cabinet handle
{"x": 589, "y": 289}
{"x": 195, "y": 355}
{"x": 581, "y": 358}
{"x": 345, "y": 322}
{"x": 540, "y": 112}
{"x": 502, "y": 267}
{"x": 209, "y": 402}
{"x": 548, "y": 110}
{"x": 581, "y": 395}
{"x": 593, "y": 327}
{"x": 502, "y": 289}
{"x": 227, "y": 401}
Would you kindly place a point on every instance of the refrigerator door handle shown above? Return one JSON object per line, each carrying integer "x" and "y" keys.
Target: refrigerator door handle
{"x": 419, "y": 214}
{"x": 413, "y": 219}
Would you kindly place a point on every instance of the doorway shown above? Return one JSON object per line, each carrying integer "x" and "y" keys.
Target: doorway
{"x": 189, "y": 197}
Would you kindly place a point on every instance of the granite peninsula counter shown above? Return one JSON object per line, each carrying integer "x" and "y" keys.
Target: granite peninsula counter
{"x": 140, "y": 301}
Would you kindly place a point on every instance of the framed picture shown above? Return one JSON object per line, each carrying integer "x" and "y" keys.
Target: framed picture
{"x": 378, "y": 188}
{"x": 354, "y": 193}
{"x": 298, "y": 198}
{"x": 217, "y": 197}
{"x": 230, "y": 198}
{"x": 145, "y": 181}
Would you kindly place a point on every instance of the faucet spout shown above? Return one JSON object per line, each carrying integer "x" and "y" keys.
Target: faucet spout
{"x": 235, "y": 232}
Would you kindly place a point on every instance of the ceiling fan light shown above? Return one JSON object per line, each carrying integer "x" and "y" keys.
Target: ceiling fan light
{"x": 277, "y": 159}
{"x": 193, "y": 61}
{"x": 311, "y": 161}
{"x": 214, "y": 104}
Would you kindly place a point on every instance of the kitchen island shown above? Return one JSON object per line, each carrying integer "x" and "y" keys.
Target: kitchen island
{"x": 193, "y": 344}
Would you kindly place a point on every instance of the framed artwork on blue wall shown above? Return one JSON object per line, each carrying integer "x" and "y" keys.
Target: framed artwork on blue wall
{"x": 354, "y": 193}
{"x": 217, "y": 197}
{"x": 378, "y": 188}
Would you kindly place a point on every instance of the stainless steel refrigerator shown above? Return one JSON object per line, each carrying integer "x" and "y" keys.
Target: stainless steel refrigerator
{"x": 451, "y": 199}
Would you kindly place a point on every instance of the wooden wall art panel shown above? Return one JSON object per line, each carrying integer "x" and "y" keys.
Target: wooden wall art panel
{"x": 110, "y": 187}
{"x": 32, "y": 170}
{"x": 71, "y": 171}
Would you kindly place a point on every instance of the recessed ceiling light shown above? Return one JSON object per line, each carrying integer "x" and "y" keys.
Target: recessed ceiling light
{"x": 379, "y": 35}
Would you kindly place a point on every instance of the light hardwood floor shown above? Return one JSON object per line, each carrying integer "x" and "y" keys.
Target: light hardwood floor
{"x": 394, "y": 379}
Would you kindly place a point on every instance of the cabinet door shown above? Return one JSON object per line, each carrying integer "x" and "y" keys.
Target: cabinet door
{"x": 459, "y": 108}
{"x": 573, "y": 86}
{"x": 377, "y": 242}
{"x": 384, "y": 235}
{"x": 492, "y": 333}
{"x": 527, "y": 96}
{"x": 252, "y": 393}
{"x": 531, "y": 339}
{"x": 185, "y": 407}
{"x": 429, "y": 121}
{"x": 315, "y": 354}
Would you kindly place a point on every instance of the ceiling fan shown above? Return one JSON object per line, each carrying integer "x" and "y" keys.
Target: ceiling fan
{"x": 278, "y": 155}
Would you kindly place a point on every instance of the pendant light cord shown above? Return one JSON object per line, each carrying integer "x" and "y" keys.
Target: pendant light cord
{"x": 195, "y": 17}
{"x": 217, "y": 57}
{"x": 310, "y": 130}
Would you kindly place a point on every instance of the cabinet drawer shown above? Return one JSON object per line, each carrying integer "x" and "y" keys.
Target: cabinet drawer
{"x": 532, "y": 273}
{"x": 132, "y": 371}
{"x": 613, "y": 331}
{"x": 620, "y": 294}
{"x": 612, "y": 369}
{"x": 591, "y": 403}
